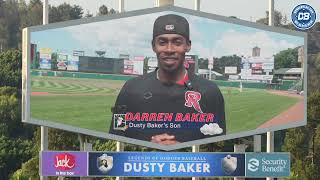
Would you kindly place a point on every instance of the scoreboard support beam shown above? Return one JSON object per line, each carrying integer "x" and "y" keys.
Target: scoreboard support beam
{"x": 239, "y": 148}
{"x": 270, "y": 135}
{"x": 44, "y": 130}
{"x": 195, "y": 149}
{"x": 257, "y": 143}
{"x": 84, "y": 146}
{"x": 271, "y": 13}
{"x": 197, "y": 5}
{"x": 160, "y": 3}
{"x": 121, "y": 6}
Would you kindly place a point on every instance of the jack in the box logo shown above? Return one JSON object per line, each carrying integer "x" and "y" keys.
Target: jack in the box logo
{"x": 64, "y": 161}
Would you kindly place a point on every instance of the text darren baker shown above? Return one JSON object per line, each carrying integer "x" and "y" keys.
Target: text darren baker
{"x": 169, "y": 105}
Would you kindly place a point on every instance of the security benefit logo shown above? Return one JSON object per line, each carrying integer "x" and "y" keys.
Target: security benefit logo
{"x": 273, "y": 165}
{"x": 119, "y": 122}
{"x": 253, "y": 165}
{"x": 229, "y": 164}
{"x": 104, "y": 163}
{"x": 266, "y": 165}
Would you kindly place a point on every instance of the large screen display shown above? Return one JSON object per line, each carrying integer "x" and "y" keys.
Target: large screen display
{"x": 110, "y": 89}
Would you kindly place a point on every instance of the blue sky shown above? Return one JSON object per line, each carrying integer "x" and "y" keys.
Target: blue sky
{"x": 133, "y": 36}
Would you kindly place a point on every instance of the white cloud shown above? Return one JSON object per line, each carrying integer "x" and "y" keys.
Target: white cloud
{"x": 131, "y": 35}
{"x": 211, "y": 129}
{"x": 201, "y": 50}
{"x": 199, "y": 47}
{"x": 233, "y": 42}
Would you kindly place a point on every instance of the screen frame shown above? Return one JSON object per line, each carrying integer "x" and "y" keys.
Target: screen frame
{"x": 26, "y": 78}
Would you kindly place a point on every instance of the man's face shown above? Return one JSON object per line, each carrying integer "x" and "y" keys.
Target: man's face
{"x": 170, "y": 50}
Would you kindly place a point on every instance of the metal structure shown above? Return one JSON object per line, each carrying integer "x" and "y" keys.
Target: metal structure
{"x": 44, "y": 130}
{"x": 93, "y": 132}
{"x": 120, "y": 146}
{"x": 270, "y": 135}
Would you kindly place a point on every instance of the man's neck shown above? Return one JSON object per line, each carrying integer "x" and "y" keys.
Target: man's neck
{"x": 166, "y": 77}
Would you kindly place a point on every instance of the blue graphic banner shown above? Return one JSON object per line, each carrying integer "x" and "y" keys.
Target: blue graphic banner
{"x": 168, "y": 164}
{"x": 165, "y": 164}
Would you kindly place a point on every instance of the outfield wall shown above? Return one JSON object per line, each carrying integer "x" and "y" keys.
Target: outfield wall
{"x": 80, "y": 75}
{"x": 286, "y": 84}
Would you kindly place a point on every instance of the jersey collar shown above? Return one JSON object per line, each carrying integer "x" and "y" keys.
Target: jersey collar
{"x": 181, "y": 82}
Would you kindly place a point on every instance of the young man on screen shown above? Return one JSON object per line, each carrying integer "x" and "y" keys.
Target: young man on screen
{"x": 169, "y": 105}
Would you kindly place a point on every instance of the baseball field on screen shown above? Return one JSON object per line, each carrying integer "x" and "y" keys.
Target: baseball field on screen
{"x": 86, "y": 103}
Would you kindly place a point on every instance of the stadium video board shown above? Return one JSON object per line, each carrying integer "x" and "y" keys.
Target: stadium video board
{"x": 154, "y": 109}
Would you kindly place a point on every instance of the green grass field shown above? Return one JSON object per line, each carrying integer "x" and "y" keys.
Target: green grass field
{"x": 87, "y": 103}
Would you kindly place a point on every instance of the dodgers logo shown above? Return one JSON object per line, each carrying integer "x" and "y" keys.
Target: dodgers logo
{"x": 303, "y": 16}
{"x": 192, "y": 100}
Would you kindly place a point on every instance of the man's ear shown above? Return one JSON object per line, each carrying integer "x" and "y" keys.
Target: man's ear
{"x": 188, "y": 46}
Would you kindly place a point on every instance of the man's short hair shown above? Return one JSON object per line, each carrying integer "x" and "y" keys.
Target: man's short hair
{"x": 171, "y": 24}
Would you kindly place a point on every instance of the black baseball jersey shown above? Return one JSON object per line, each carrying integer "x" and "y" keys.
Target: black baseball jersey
{"x": 190, "y": 111}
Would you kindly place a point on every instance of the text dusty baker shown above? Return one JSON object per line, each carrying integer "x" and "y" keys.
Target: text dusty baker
{"x": 168, "y": 117}
{"x": 178, "y": 167}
